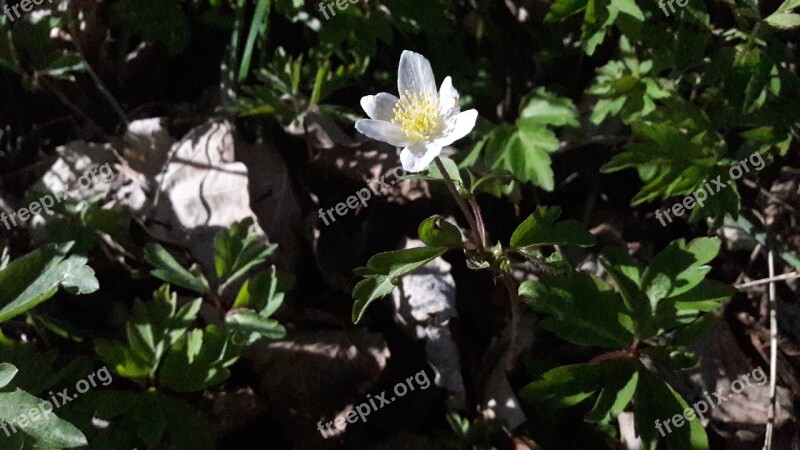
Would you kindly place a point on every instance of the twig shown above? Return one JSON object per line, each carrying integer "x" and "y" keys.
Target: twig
{"x": 773, "y": 352}
{"x": 753, "y": 256}
{"x": 771, "y": 279}
{"x": 100, "y": 85}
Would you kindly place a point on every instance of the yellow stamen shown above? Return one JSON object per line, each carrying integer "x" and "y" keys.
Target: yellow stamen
{"x": 418, "y": 116}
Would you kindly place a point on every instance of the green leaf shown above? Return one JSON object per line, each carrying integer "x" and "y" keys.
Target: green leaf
{"x": 258, "y": 27}
{"x": 628, "y": 7}
{"x": 561, "y": 9}
{"x": 525, "y": 153}
{"x": 382, "y": 271}
{"x": 7, "y": 373}
{"x": 151, "y": 331}
{"x": 627, "y": 277}
{"x": 238, "y": 250}
{"x": 22, "y": 410}
{"x": 40, "y": 371}
{"x": 254, "y": 325}
{"x": 656, "y": 402}
{"x": 435, "y": 231}
{"x": 79, "y": 278}
{"x": 686, "y": 308}
{"x": 620, "y": 380}
{"x": 368, "y": 290}
{"x": 545, "y": 108}
{"x": 122, "y": 359}
{"x": 582, "y": 309}
{"x": 399, "y": 262}
{"x": 789, "y": 5}
{"x": 450, "y": 167}
{"x": 564, "y": 386}
{"x": 145, "y": 420}
{"x": 199, "y": 360}
{"x": 171, "y": 271}
{"x": 784, "y": 21}
{"x": 678, "y": 268}
{"x": 35, "y": 277}
{"x": 263, "y": 293}
{"x": 540, "y": 228}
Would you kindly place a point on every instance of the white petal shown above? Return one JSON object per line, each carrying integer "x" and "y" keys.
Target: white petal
{"x": 382, "y": 131}
{"x": 379, "y": 107}
{"x": 457, "y": 126}
{"x": 415, "y": 75}
{"x": 448, "y": 98}
{"x": 418, "y": 158}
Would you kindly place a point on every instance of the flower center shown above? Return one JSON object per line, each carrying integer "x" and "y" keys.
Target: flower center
{"x": 418, "y": 116}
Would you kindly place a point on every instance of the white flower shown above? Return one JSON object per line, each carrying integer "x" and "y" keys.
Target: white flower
{"x": 421, "y": 120}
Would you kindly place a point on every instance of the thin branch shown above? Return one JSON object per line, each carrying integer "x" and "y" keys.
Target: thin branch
{"x": 771, "y": 280}
{"x": 100, "y": 85}
{"x": 773, "y": 353}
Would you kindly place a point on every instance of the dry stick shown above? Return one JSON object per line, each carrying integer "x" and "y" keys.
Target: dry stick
{"x": 773, "y": 353}
{"x": 461, "y": 203}
{"x": 753, "y": 256}
{"x": 784, "y": 277}
{"x": 100, "y": 85}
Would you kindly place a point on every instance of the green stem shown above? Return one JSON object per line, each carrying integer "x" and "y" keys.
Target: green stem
{"x": 476, "y": 210}
{"x": 473, "y": 224}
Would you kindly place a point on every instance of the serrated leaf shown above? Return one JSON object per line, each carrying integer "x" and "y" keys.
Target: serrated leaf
{"x": 540, "y": 228}
{"x": 627, "y": 277}
{"x": 582, "y": 309}
{"x": 35, "y": 277}
{"x": 262, "y": 293}
{"x": 250, "y": 322}
{"x": 620, "y": 380}
{"x": 656, "y": 402}
{"x": 369, "y": 290}
{"x": 185, "y": 369}
{"x": 237, "y": 250}
{"x": 545, "y": 108}
{"x": 47, "y": 430}
{"x": 122, "y": 359}
{"x": 79, "y": 277}
{"x": 171, "y": 271}
{"x": 678, "y": 268}
{"x": 526, "y": 154}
